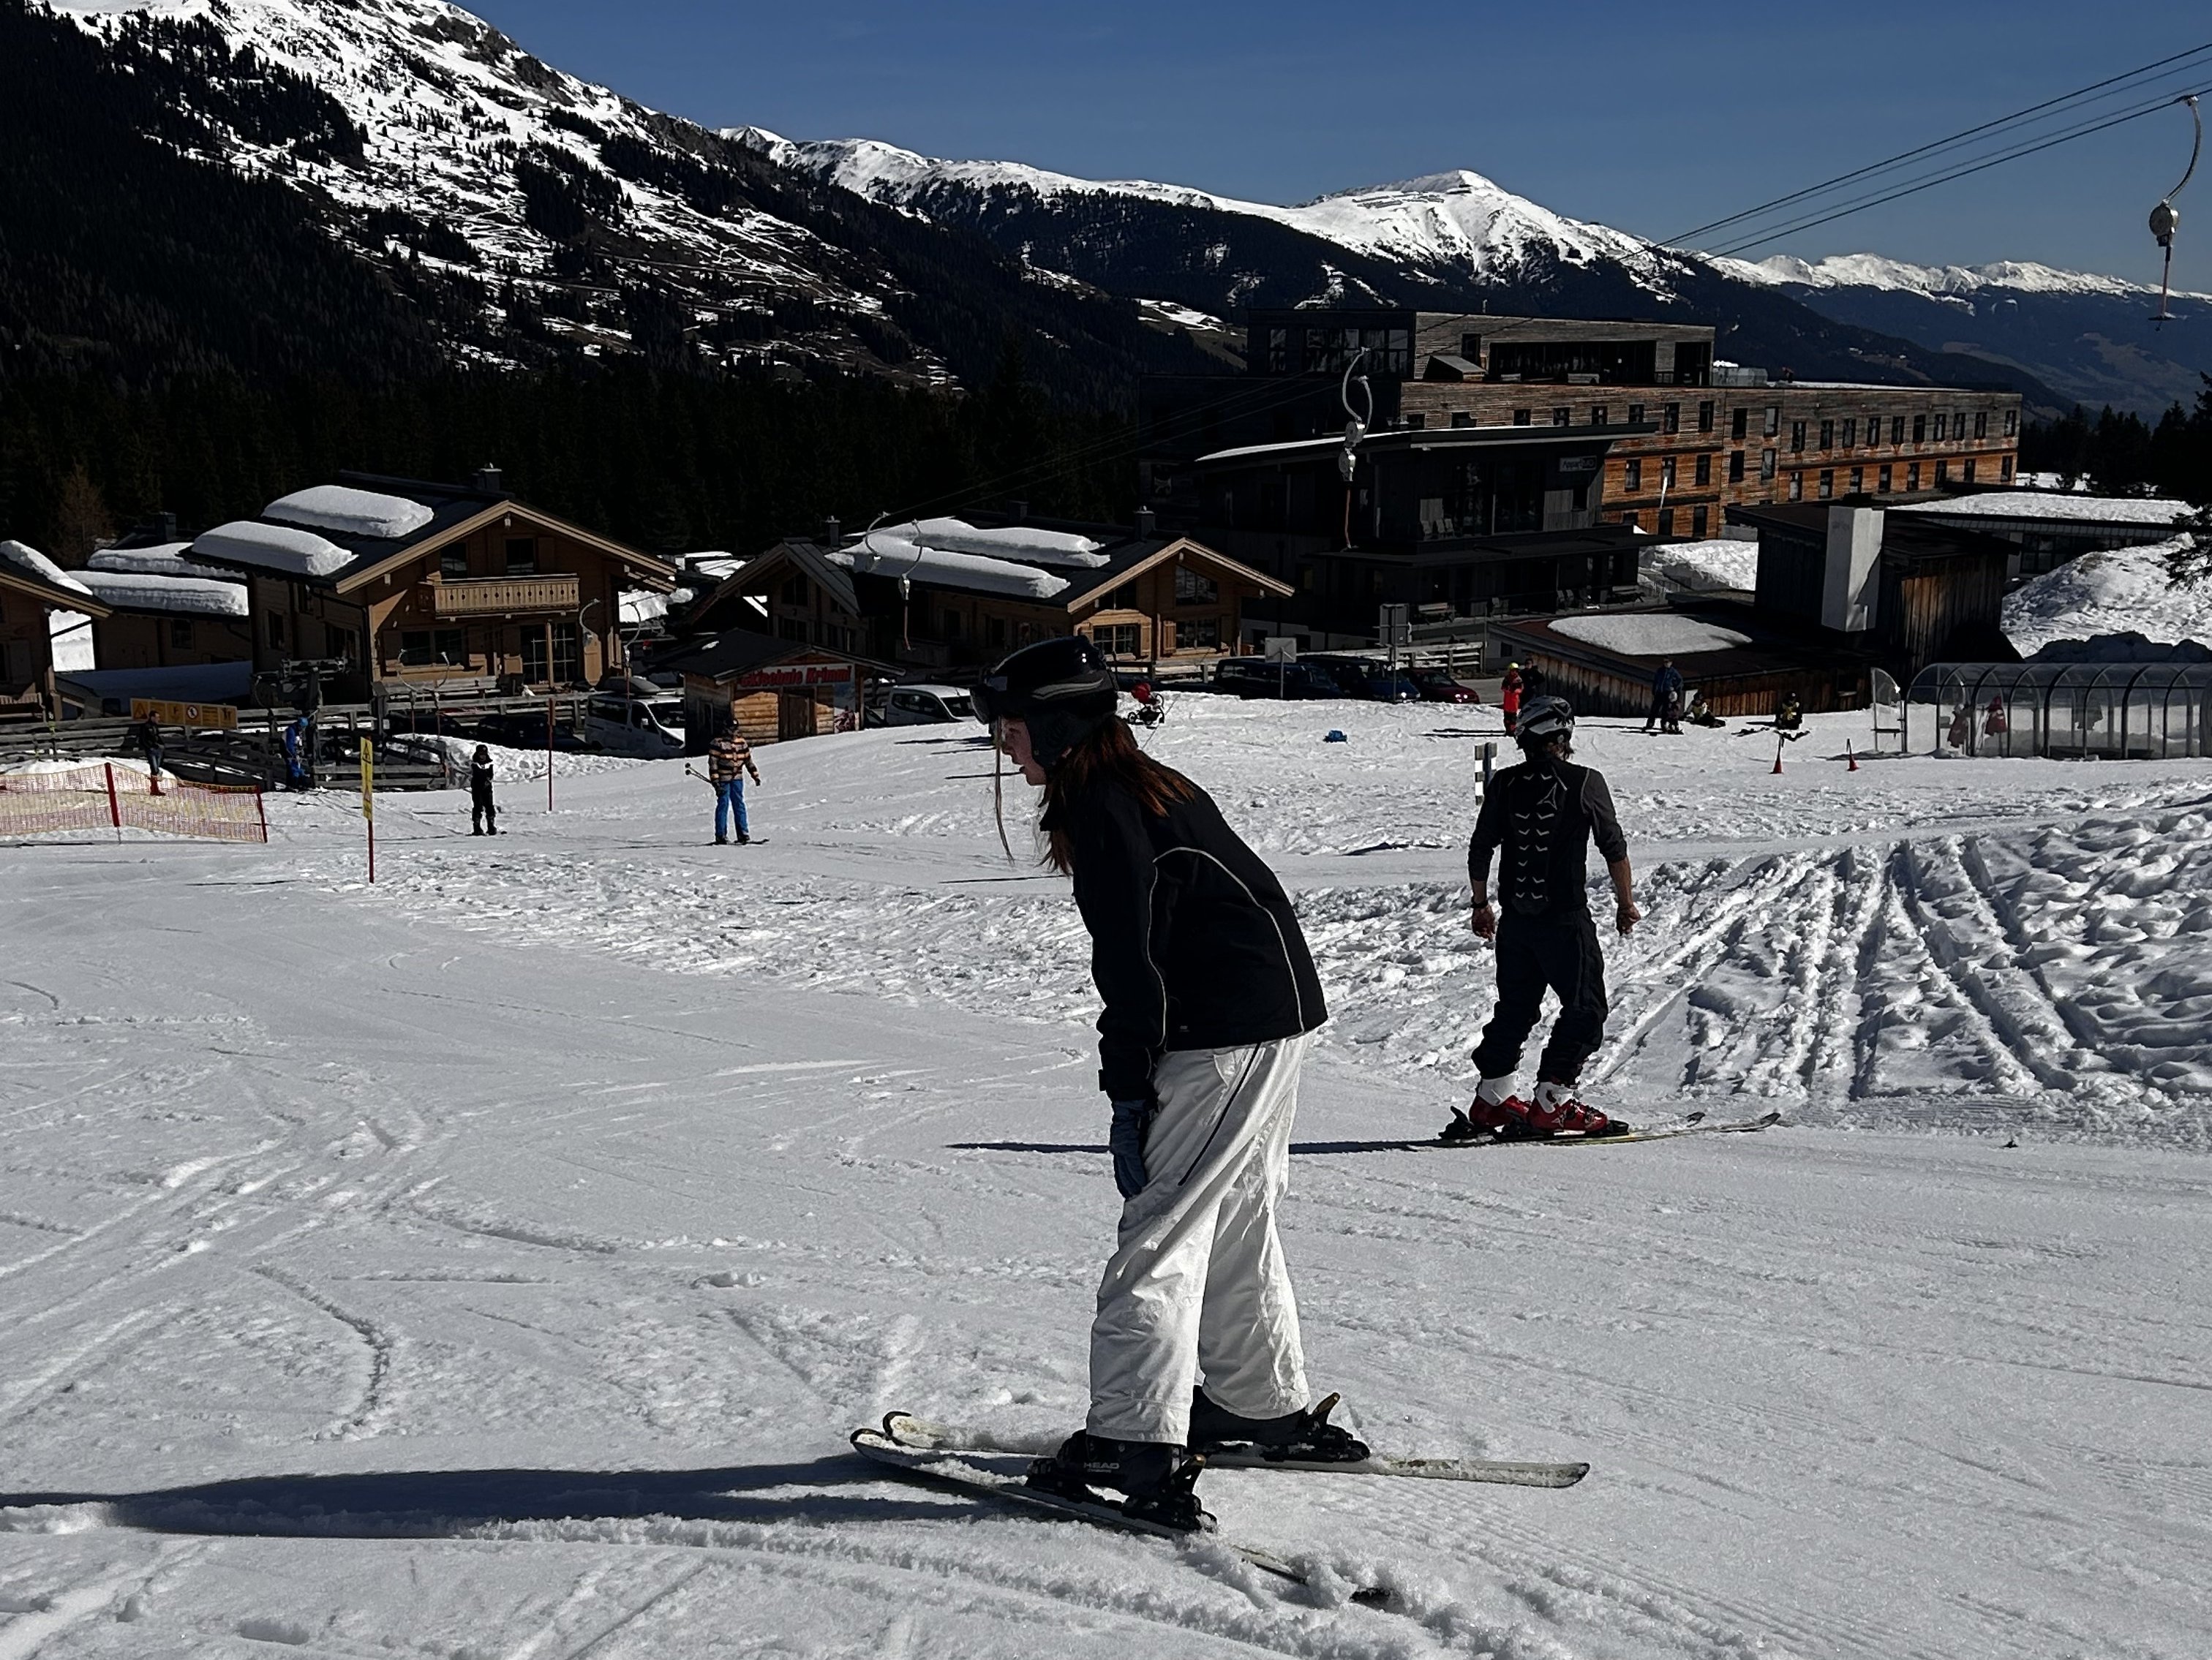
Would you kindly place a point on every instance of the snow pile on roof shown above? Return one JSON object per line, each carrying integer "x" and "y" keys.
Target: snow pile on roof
{"x": 198, "y": 596}
{"x": 639, "y": 606}
{"x": 1032, "y": 547}
{"x": 163, "y": 559}
{"x": 271, "y": 548}
{"x": 1722, "y": 563}
{"x": 2124, "y": 590}
{"x": 2039, "y": 504}
{"x": 895, "y": 556}
{"x": 350, "y": 512}
{"x": 71, "y": 636}
{"x": 1650, "y": 633}
{"x": 32, "y": 562}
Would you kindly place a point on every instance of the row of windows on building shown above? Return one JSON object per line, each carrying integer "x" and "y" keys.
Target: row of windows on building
{"x": 1948, "y": 426}
{"x": 1824, "y": 488}
{"x": 1632, "y": 474}
{"x": 520, "y": 560}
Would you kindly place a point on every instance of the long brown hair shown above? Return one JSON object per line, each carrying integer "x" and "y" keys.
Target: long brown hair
{"x": 1108, "y": 755}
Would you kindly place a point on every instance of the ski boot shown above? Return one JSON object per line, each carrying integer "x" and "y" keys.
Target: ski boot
{"x": 1307, "y": 1437}
{"x": 1160, "y": 1481}
{"x": 1484, "y": 1121}
{"x": 1565, "y": 1116}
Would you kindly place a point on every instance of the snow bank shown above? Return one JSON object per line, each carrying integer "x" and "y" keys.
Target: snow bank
{"x": 165, "y": 559}
{"x": 2124, "y": 590}
{"x": 27, "y": 559}
{"x": 1650, "y": 633}
{"x": 2041, "y": 504}
{"x": 349, "y": 512}
{"x": 271, "y": 548}
{"x": 1015, "y": 542}
{"x": 897, "y": 556}
{"x": 198, "y": 596}
{"x": 1721, "y": 563}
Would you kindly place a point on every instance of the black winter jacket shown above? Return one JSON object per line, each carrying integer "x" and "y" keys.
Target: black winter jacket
{"x": 1542, "y": 815}
{"x": 1193, "y": 944}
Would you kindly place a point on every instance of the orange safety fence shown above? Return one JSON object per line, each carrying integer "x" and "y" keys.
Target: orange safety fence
{"x": 105, "y": 796}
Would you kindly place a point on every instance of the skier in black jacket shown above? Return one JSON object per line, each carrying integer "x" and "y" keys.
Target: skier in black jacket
{"x": 1210, "y": 1000}
{"x": 484, "y": 813}
{"x": 1538, "y": 817}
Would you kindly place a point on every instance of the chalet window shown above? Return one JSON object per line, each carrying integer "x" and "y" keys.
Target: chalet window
{"x": 1704, "y": 470}
{"x": 1942, "y": 471}
{"x": 1705, "y": 416}
{"x": 1981, "y": 423}
{"x": 454, "y": 561}
{"x": 419, "y": 648}
{"x": 1941, "y": 428}
{"x": 1828, "y": 435}
{"x": 1416, "y": 421}
{"x": 567, "y": 653}
{"x": 1120, "y": 640}
{"x": 1700, "y": 521}
{"x": 1767, "y": 466}
{"x": 794, "y": 590}
{"x": 1520, "y": 417}
{"x": 276, "y": 628}
{"x": 180, "y": 633}
{"x": 1198, "y": 634}
{"x": 1666, "y": 472}
{"x": 1462, "y": 417}
{"x": 1665, "y": 521}
{"x": 2012, "y": 422}
{"x": 1912, "y": 476}
{"x": 522, "y": 557}
{"x": 1796, "y": 486}
{"x": 1735, "y": 466}
{"x": 1279, "y": 351}
{"x": 1636, "y": 414}
{"x": 1195, "y": 587}
{"x": 1969, "y": 470}
{"x": 1959, "y": 427}
{"x": 1739, "y": 423}
{"x": 534, "y": 657}
{"x": 1670, "y": 417}
{"x": 994, "y": 629}
{"x": 1631, "y": 477}
{"x": 2004, "y": 467}
{"x": 1796, "y": 436}
{"x": 1598, "y": 415}
{"x": 1873, "y": 430}
{"x": 1858, "y": 480}
{"x": 1773, "y": 419}
{"x": 1633, "y": 521}
{"x": 794, "y": 629}
{"x": 1897, "y": 429}
{"x": 1920, "y": 429}
{"x": 1123, "y": 598}
{"x": 1882, "y": 480}
{"x": 1827, "y": 483}
{"x": 1560, "y": 417}
{"x": 1851, "y": 434}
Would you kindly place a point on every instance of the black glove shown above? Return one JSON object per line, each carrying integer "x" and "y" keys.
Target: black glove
{"x": 1126, "y": 1143}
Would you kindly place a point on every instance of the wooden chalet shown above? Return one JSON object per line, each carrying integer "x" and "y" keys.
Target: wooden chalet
{"x": 1162, "y": 601}
{"x": 31, "y": 589}
{"x": 163, "y": 612}
{"x": 772, "y": 690}
{"x": 407, "y": 583}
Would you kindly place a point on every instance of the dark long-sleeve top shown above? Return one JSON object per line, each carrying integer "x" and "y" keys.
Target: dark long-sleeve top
{"x": 1667, "y": 681}
{"x": 480, "y": 776}
{"x": 1193, "y": 944}
{"x": 1540, "y": 815}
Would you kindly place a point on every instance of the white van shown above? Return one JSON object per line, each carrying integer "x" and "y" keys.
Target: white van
{"x": 926, "y": 706}
{"x": 651, "y": 727}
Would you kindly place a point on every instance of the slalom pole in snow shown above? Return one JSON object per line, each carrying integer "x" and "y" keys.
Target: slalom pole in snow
{"x": 1852, "y": 756}
{"x": 1777, "y": 752}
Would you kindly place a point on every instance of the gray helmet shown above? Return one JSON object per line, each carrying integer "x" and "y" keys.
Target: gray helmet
{"x": 1543, "y": 720}
{"x": 1062, "y": 688}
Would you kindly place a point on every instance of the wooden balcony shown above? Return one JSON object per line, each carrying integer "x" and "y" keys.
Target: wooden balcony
{"x": 507, "y": 596}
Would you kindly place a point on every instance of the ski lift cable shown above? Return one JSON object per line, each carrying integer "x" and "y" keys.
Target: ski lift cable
{"x": 2112, "y": 83}
{"x": 1963, "y": 171}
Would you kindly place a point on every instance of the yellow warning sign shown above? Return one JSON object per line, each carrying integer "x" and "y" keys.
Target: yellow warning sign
{"x": 223, "y": 717}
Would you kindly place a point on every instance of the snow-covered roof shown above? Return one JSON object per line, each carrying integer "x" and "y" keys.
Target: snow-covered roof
{"x": 1016, "y": 542}
{"x": 1720, "y": 563}
{"x": 897, "y": 556}
{"x": 1650, "y": 634}
{"x": 348, "y": 512}
{"x": 271, "y": 548}
{"x": 638, "y": 606}
{"x": 2124, "y": 590}
{"x": 193, "y": 595}
{"x": 2042, "y": 504}
{"x": 29, "y": 560}
{"x": 160, "y": 558}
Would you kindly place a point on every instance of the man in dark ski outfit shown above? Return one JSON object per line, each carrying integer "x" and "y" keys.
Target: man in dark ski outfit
{"x": 483, "y": 815}
{"x": 1210, "y": 998}
{"x": 1666, "y": 689}
{"x": 1536, "y": 819}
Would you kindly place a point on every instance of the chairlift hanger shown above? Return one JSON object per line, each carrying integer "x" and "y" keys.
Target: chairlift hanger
{"x": 2164, "y": 219}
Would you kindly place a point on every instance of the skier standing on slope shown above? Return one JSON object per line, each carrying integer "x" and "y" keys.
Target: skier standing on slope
{"x": 729, "y": 759}
{"x": 1210, "y": 998}
{"x": 483, "y": 812}
{"x": 1536, "y": 818}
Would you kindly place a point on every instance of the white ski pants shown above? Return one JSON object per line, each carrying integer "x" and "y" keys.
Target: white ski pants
{"x": 1197, "y": 1283}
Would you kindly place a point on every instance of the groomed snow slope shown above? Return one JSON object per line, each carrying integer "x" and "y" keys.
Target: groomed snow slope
{"x": 490, "y": 1263}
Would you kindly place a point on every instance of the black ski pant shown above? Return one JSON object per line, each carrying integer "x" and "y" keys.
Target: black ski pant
{"x": 483, "y": 815}
{"x": 1559, "y": 952}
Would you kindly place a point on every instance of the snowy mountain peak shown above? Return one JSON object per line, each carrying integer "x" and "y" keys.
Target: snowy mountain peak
{"x": 1870, "y": 270}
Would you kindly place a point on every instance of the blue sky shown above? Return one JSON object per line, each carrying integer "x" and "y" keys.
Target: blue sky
{"x": 1654, "y": 118}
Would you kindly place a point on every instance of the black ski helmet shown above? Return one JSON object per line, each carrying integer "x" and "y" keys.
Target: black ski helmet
{"x": 1543, "y": 720}
{"x": 1061, "y": 688}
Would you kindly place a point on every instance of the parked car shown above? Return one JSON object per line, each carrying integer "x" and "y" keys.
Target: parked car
{"x": 1365, "y": 677}
{"x": 524, "y": 731}
{"x": 926, "y": 706}
{"x": 1262, "y": 677}
{"x": 651, "y": 727}
{"x": 1438, "y": 686}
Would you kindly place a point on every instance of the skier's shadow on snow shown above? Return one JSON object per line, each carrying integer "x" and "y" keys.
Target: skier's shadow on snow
{"x": 447, "y": 1503}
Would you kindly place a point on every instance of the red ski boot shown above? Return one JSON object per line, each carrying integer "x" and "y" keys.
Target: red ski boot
{"x": 1568, "y": 1117}
{"x": 1484, "y": 1121}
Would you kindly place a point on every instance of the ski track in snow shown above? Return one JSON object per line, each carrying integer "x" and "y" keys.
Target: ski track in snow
{"x": 519, "y": 1238}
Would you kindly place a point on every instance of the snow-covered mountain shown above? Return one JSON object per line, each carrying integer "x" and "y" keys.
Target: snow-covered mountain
{"x": 1459, "y": 231}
